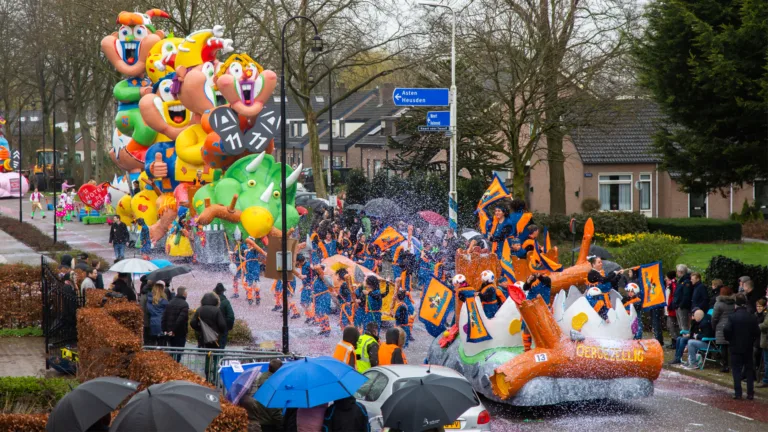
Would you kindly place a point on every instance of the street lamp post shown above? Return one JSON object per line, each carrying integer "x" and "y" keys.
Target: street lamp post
{"x": 55, "y": 227}
{"x": 317, "y": 45}
{"x": 453, "y": 203}
{"x": 21, "y": 158}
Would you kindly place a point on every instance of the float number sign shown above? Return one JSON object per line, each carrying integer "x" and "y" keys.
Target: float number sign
{"x": 226, "y": 124}
{"x": 540, "y": 358}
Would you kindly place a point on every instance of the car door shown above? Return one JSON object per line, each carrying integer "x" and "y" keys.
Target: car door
{"x": 374, "y": 392}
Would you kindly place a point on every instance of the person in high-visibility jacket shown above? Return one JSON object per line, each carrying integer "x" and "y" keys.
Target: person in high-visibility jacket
{"x": 391, "y": 352}
{"x": 367, "y": 351}
{"x": 345, "y": 349}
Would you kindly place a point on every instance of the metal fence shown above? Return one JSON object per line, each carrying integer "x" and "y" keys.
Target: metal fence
{"x": 60, "y": 303}
{"x": 208, "y": 362}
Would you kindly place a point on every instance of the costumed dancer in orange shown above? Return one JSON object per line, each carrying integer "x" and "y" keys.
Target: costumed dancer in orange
{"x": 321, "y": 300}
{"x": 346, "y": 297}
{"x": 253, "y": 259}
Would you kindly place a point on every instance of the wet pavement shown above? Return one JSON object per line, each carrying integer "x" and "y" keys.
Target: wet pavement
{"x": 680, "y": 403}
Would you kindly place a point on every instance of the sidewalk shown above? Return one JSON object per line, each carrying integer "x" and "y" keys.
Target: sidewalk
{"x": 13, "y": 251}
{"x": 24, "y": 356}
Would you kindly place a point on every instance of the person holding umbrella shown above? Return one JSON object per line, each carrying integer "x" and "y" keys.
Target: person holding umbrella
{"x": 346, "y": 415}
{"x": 261, "y": 418}
{"x": 157, "y": 302}
{"x": 121, "y": 285}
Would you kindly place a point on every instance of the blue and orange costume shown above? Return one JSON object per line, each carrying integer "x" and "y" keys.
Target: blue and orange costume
{"x": 492, "y": 298}
{"x": 498, "y": 234}
{"x": 238, "y": 259}
{"x": 277, "y": 288}
{"x": 599, "y": 305}
{"x": 330, "y": 248}
{"x": 402, "y": 316}
{"x": 636, "y": 302}
{"x": 346, "y": 306}
{"x": 541, "y": 286}
{"x": 425, "y": 270}
{"x": 374, "y": 304}
{"x": 321, "y": 298}
{"x": 318, "y": 249}
{"x": 252, "y": 276}
{"x": 306, "y": 289}
{"x": 604, "y": 282}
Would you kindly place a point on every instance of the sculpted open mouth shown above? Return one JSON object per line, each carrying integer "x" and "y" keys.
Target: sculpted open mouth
{"x": 128, "y": 51}
{"x": 249, "y": 89}
{"x": 173, "y": 112}
{"x": 177, "y": 114}
{"x": 220, "y": 100}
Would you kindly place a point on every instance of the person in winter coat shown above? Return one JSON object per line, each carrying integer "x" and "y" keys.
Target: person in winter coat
{"x": 227, "y": 311}
{"x": 717, "y": 284}
{"x": 121, "y": 285}
{"x": 683, "y": 297}
{"x": 157, "y": 302}
{"x": 260, "y": 418}
{"x": 674, "y": 330}
{"x": 118, "y": 237}
{"x": 724, "y": 307}
{"x": 764, "y": 348}
{"x": 700, "y": 329}
{"x": 346, "y": 415}
{"x": 176, "y": 320}
{"x": 700, "y": 294}
{"x": 760, "y": 314}
{"x": 367, "y": 350}
{"x": 209, "y": 312}
{"x": 752, "y": 295}
{"x": 391, "y": 352}
{"x": 741, "y": 331}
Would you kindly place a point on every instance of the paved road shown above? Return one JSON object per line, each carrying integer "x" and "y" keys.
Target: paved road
{"x": 680, "y": 403}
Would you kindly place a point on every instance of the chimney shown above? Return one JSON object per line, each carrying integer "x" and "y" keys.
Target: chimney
{"x": 385, "y": 94}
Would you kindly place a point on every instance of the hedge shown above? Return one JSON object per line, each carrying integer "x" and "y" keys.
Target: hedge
{"x": 106, "y": 347}
{"x": 20, "y": 295}
{"x": 697, "y": 230}
{"x": 30, "y": 235}
{"x": 23, "y": 422}
{"x": 730, "y": 270}
{"x": 32, "y": 393}
{"x": 605, "y": 222}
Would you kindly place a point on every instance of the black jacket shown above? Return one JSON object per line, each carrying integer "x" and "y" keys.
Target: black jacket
{"x": 210, "y": 313}
{"x": 123, "y": 288}
{"x": 704, "y": 328}
{"x": 752, "y": 299}
{"x": 741, "y": 331}
{"x": 176, "y": 316}
{"x": 613, "y": 278}
{"x": 346, "y": 415}
{"x": 118, "y": 233}
{"x": 226, "y": 309}
{"x": 700, "y": 297}
{"x": 683, "y": 294}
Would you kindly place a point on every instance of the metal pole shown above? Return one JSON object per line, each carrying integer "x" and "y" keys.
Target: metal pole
{"x": 283, "y": 194}
{"x": 453, "y": 203}
{"x": 330, "y": 145}
{"x": 21, "y": 158}
{"x": 55, "y": 228}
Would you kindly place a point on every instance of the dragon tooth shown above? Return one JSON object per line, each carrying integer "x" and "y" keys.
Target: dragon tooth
{"x": 293, "y": 177}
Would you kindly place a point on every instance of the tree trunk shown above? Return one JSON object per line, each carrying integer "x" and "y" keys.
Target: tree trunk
{"x": 317, "y": 157}
{"x": 69, "y": 145}
{"x": 556, "y": 163}
{"x": 518, "y": 182}
{"x": 85, "y": 129}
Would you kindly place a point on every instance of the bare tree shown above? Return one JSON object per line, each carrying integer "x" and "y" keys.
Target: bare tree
{"x": 357, "y": 34}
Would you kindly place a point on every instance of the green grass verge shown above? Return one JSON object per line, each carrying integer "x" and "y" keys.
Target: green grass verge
{"x": 21, "y": 332}
{"x": 698, "y": 255}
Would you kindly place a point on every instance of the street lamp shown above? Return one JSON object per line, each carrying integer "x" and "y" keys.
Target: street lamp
{"x": 317, "y": 46}
{"x": 330, "y": 133}
{"x": 453, "y": 204}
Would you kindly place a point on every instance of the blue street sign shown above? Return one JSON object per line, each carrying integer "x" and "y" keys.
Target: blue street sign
{"x": 434, "y": 128}
{"x": 420, "y": 97}
{"x": 439, "y": 118}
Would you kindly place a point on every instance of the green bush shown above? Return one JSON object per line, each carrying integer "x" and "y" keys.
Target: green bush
{"x": 697, "y": 230}
{"x": 30, "y": 395}
{"x": 239, "y": 335}
{"x": 357, "y": 187}
{"x": 749, "y": 213}
{"x": 650, "y": 248}
{"x": 590, "y": 205}
{"x": 729, "y": 271}
{"x": 21, "y": 332}
{"x": 605, "y": 222}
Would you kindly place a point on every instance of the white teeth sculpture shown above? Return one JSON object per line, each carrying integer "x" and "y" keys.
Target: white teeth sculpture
{"x": 569, "y": 310}
{"x": 498, "y": 327}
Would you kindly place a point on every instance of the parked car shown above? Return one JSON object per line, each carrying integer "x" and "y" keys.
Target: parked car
{"x": 310, "y": 200}
{"x": 383, "y": 379}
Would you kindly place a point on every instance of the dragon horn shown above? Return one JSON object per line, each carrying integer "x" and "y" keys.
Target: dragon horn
{"x": 157, "y": 13}
{"x": 293, "y": 177}
{"x": 254, "y": 165}
{"x": 268, "y": 193}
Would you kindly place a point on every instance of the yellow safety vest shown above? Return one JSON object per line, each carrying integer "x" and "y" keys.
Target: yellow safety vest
{"x": 361, "y": 352}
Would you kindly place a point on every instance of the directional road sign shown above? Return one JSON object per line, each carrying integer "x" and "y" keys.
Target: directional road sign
{"x": 439, "y": 118}
{"x": 434, "y": 128}
{"x": 421, "y": 97}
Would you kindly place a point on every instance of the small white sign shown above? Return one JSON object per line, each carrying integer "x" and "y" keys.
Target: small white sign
{"x": 236, "y": 366}
{"x": 540, "y": 358}
{"x": 279, "y": 261}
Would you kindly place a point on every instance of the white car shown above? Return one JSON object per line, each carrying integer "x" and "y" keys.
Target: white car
{"x": 382, "y": 379}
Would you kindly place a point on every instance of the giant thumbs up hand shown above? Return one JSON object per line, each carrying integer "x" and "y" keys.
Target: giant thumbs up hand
{"x": 159, "y": 168}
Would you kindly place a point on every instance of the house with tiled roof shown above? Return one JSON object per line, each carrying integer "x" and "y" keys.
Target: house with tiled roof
{"x": 612, "y": 159}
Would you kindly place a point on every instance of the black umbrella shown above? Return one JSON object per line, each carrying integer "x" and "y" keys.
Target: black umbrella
{"x": 381, "y": 207}
{"x": 426, "y": 403}
{"x": 597, "y": 251}
{"x": 171, "y": 406}
{"x": 85, "y": 405}
{"x": 168, "y": 273}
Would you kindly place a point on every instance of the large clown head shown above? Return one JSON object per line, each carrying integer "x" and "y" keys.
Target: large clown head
{"x": 129, "y": 48}
{"x": 162, "y": 58}
{"x": 195, "y": 68}
{"x": 162, "y": 110}
{"x": 245, "y": 84}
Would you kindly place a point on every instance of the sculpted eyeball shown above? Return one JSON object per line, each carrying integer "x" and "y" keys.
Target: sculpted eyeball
{"x": 123, "y": 33}
{"x": 276, "y": 194}
{"x": 169, "y": 48}
{"x": 236, "y": 70}
{"x": 165, "y": 90}
{"x": 139, "y": 32}
{"x": 251, "y": 183}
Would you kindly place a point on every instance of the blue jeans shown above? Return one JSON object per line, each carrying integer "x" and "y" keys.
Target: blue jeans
{"x": 693, "y": 348}
{"x": 119, "y": 251}
{"x": 765, "y": 365}
{"x": 680, "y": 345}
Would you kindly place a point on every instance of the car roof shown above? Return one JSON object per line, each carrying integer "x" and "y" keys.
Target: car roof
{"x": 415, "y": 371}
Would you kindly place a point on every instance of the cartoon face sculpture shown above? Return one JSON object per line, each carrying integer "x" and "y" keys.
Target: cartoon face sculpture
{"x": 245, "y": 84}
{"x": 195, "y": 68}
{"x": 162, "y": 58}
{"x": 162, "y": 110}
{"x": 129, "y": 47}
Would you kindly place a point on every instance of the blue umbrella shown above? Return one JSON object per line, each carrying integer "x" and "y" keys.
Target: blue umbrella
{"x": 161, "y": 263}
{"x": 242, "y": 385}
{"x": 308, "y": 383}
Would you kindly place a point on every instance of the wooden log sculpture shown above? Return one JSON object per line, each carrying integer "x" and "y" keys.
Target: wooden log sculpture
{"x": 218, "y": 211}
{"x": 557, "y": 356}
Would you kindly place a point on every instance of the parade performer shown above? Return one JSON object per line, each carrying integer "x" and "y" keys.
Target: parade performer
{"x": 373, "y": 301}
{"x": 519, "y": 219}
{"x": 490, "y": 295}
{"x": 440, "y": 272}
{"x": 635, "y": 299}
{"x": 346, "y": 298}
{"x": 536, "y": 285}
{"x": 108, "y": 204}
{"x": 374, "y": 252}
{"x": 596, "y": 300}
{"x": 253, "y": 258}
{"x": 402, "y": 316}
{"x": 345, "y": 244}
{"x": 318, "y": 249}
{"x": 597, "y": 278}
{"x": 425, "y": 270}
{"x": 330, "y": 245}
{"x": 36, "y": 199}
{"x": 499, "y": 229}
{"x": 277, "y": 289}
{"x": 362, "y": 255}
{"x": 306, "y": 286}
{"x": 517, "y": 249}
{"x": 144, "y": 240}
{"x": 60, "y": 214}
{"x": 237, "y": 260}
{"x": 321, "y": 298}
{"x": 529, "y": 244}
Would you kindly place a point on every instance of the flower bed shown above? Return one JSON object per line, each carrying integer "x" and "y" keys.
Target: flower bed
{"x": 617, "y": 240}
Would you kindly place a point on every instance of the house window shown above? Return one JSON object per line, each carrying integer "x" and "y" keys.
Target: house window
{"x": 615, "y": 192}
{"x": 296, "y": 129}
{"x": 761, "y": 195}
{"x": 377, "y": 164}
{"x": 645, "y": 192}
